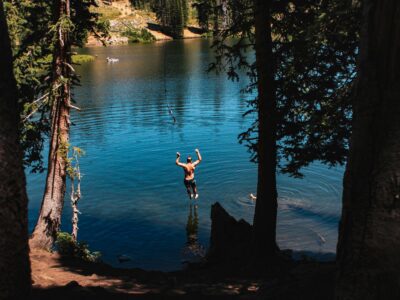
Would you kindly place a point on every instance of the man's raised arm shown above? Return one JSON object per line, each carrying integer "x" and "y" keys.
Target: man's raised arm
{"x": 178, "y": 155}
{"x": 198, "y": 157}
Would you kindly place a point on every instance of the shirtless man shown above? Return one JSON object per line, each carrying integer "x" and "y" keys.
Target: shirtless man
{"x": 188, "y": 168}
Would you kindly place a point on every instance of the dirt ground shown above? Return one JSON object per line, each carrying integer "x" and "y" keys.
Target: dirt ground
{"x": 57, "y": 278}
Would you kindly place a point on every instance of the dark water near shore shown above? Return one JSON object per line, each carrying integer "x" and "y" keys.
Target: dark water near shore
{"x": 134, "y": 201}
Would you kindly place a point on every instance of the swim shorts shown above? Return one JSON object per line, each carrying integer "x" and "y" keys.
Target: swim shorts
{"x": 190, "y": 183}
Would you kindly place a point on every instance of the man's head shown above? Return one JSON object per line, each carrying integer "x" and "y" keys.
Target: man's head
{"x": 189, "y": 159}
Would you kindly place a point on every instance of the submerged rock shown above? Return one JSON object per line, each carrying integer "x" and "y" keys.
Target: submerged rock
{"x": 123, "y": 258}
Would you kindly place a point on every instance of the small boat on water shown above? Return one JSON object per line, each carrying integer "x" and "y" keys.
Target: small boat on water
{"x": 112, "y": 60}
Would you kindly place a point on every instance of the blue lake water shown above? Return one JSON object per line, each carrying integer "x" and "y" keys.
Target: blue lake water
{"x": 134, "y": 201}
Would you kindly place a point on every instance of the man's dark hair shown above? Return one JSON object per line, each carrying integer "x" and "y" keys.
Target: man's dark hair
{"x": 189, "y": 159}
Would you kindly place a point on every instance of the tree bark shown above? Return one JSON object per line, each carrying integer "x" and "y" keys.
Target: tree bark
{"x": 216, "y": 5}
{"x": 225, "y": 14}
{"x": 75, "y": 197}
{"x": 15, "y": 279}
{"x": 266, "y": 206}
{"x": 369, "y": 234}
{"x": 49, "y": 220}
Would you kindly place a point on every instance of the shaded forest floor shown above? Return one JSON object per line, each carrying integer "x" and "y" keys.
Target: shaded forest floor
{"x": 57, "y": 278}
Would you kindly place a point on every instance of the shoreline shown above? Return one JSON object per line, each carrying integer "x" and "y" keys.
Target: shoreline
{"x": 123, "y": 18}
{"x": 55, "y": 276}
{"x": 116, "y": 40}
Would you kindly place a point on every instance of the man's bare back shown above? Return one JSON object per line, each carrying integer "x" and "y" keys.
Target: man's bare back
{"x": 189, "y": 169}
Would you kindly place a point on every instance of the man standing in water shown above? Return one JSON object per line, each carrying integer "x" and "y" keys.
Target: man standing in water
{"x": 188, "y": 168}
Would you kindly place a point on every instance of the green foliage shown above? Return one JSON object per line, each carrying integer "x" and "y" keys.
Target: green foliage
{"x": 63, "y": 149}
{"x": 185, "y": 12}
{"x": 204, "y": 12}
{"x": 216, "y": 13}
{"x": 314, "y": 50}
{"x": 32, "y": 30}
{"x": 139, "y": 36}
{"x": 82, "y": 58}
{"x": 143, "y": 4}
{"x": 86, "y": 21}
{"x": 177, "y": 19}
{"x": 72, "y": 162}
{"x": 66, "y": 246}
{"x": 207, "y": 34}
{"x": 171, "y": 14}
{"x": 76, "y": 58}
{"x": 29, "y": 26}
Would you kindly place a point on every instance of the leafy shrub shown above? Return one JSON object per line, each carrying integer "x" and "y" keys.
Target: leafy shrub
{"x": 76, "y": 58}
{"x": 82, "y": 58}
{"x": 139, "y": 36}
{"x": 66, "y": 246}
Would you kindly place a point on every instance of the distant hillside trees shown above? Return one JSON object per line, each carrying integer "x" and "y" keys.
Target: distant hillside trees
{"x": 204, "y": 10}
{"x": 173, "y": 16}
{"x": 216, "y": 14}
{"x": 142, "y": 4}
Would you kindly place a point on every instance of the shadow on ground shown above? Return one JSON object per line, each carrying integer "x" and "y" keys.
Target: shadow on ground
{"x": 74, "y": 279}
{"x": 190, "y": 29}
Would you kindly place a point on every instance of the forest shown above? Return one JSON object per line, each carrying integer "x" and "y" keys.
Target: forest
{"x": 291, "y": 109}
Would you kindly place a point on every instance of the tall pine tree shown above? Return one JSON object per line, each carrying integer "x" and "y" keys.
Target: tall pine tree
{"x": 369, "y": 235}
{"x": 72, "y": 20}
{"x": 314, "y": 46}
{"x": 53, "y": 200}
{"x": 15, "y": 278}
{"x": 172, "y": 14}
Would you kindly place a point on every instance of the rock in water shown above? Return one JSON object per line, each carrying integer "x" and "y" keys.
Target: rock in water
{"x": 230, "y": 239}
{"x": 73, "y": 284}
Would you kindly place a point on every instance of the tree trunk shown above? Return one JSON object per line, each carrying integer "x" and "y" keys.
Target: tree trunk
{"x": 15, "y": 279}
{"x": 75, "y": 197}
{"x": 49, "y": 220}
{"x": 225, "y": 14}
{"x": 266, "y": 206}
{"x": 216, "y": 5}
{"x": 369, "y": 234}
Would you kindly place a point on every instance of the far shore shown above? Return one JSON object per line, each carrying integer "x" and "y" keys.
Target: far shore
{"x": 116, "y": 40}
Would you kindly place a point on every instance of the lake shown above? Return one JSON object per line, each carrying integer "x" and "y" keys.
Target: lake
{"x": 134, "y": 202}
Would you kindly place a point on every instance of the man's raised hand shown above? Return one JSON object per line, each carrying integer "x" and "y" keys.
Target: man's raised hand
{"x": 198, "y": 156}
{"x": 178, "y": 154}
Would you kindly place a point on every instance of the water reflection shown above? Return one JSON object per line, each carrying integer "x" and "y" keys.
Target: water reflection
{"x": 193, "y": 250}
{"x": 131, "y": 93}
